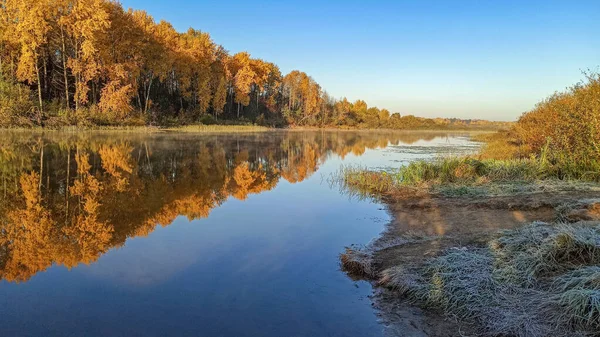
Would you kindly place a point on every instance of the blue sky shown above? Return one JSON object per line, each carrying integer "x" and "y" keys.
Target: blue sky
{"x": 467, "y": 59}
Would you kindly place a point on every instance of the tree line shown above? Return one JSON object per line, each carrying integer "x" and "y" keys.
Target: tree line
{"x": 74, "y": 62}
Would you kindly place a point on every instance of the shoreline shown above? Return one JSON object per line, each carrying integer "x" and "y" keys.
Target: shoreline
{"x": 233, "y": 128}
{"x": 429, "y": 228}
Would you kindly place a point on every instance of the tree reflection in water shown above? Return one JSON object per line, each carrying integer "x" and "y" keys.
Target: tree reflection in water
{"x": 69, "y": 198}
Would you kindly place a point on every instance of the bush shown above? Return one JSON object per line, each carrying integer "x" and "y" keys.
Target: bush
{"x": 16, "y": 104}
{"x": 568, "y": 124}
{"x": 471, "y": 170}
{"x": 207, "y": 119}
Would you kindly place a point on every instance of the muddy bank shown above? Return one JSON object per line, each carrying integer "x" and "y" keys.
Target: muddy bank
{"x": 429, "y": 226}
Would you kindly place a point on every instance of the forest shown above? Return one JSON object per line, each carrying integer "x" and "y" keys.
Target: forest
{"x": 91, "y": 62}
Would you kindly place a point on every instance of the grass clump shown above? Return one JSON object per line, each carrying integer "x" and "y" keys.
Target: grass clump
{"x": 581, "y": 307}
{"x": 363, "y": 183}
{"x": 357, "y": 261}
{"x": 466, "y": 176}
{"x": 587, "y": 278}
{"x": 537, "y": 252}
{"x": 538, "y": 280}
{"x": 469, "y": 170}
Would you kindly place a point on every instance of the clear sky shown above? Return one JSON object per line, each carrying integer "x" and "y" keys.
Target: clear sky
{"x": 467, "y": 59}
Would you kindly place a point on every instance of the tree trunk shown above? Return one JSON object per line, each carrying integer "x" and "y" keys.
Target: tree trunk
{"x": 139, "y": 99}
{"x": 67, "y": 184}
{"x": 39, "y": 84}
{"x": 77, "y": 92}
{"x": 147, "y": 97}
{"x": 12, "y": 72}
{"x": 77, "y": 79}
{"x": 238, "y": 112}
{"x": 41, "y": 164}
{"x": 45, "y": 77}
{"x": 64, "y": 60}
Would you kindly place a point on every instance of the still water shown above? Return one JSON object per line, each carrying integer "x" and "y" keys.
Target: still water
{"x": 116, "y": 234}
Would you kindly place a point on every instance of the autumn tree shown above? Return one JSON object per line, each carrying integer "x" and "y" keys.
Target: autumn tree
{"x": 219, "y": 82}
{"x": 29, "y": 20}
{"x": 243, "y": 77}
{"x": 27, "y": 237}
{"x": 84, "y": 24}
{"x": 90, "y": 235}
{"x": 199, "y": 52}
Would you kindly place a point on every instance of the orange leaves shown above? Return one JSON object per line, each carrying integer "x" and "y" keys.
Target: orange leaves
{"x": 243, "y": 77}
{"x": 261, "y": 71}
{"x": 84, "y": 22}
{"x": 303, "y": 94}
{"x": 242, "y": 81}
{"x": 567, "y": 123}
{"x": 116, "y": 161}
{"x": 248, "y": 181}
{"x": 30, "y": 187}
{"x": 28, "y": 234}
{"x": 219, "y": 98}
{"x": 91, "y": 235}
{"x": 87, "y": 186}
{"x": 83, "y": 163}
{"x": 384, "y": 115}
{"x": 116, "y": 99}
{"x": 30, "y": 24}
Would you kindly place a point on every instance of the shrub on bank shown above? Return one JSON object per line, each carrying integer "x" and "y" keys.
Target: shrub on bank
{"x": 564, "y": 127}
{"x": 454, "y": 170}
{"x": 16, "y": 105}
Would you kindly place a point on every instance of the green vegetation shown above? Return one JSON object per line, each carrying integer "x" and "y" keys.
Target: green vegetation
{"x": 466, "y": 176}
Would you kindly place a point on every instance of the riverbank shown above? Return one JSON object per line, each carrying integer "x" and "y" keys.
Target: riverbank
{"x": 495, "y": 252}
{"x": 201, "y": 128}
{"x": 151, "y": 129}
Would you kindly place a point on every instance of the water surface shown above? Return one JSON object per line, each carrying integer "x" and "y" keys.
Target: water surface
{"x": 115, "y": 234}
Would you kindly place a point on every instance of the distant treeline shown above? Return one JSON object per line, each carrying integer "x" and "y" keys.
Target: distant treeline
{"x": 82, "y": 62}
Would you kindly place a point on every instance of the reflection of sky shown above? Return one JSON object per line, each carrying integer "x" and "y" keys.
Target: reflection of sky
{"x": 266, "y": 266}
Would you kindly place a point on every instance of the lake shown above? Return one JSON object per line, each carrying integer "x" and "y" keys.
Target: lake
{"x": 169, "y": 234}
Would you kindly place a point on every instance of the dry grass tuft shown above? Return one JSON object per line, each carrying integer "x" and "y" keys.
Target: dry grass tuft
{"x": 357, "y": 262}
